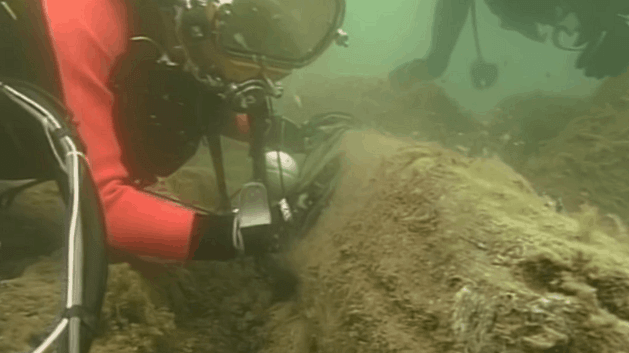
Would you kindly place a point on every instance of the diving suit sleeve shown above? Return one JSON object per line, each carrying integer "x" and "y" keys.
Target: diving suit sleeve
{"x": 449, "y": 19}
{"x": 88, "y": 37}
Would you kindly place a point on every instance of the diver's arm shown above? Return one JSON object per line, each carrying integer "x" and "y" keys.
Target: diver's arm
{"x": 449, "y": 19}
{"x": 88, "y": 37}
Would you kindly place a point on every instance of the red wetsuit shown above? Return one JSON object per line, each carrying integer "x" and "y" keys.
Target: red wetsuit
{"x": 88, "y": 37}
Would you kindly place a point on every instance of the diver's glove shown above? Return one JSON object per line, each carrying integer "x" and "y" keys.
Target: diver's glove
{"x": 212, "y": 237}
{"x": 607, "y": 52}
{"x": 221, "y": 237}
{"x": 256, "y": 240}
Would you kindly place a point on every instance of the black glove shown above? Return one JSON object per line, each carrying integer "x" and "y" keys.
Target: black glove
{"x": 218, "y": 237}
{"x": 212, "y": 237}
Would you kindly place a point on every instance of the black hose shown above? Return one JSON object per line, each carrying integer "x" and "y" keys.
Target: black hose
{"x": 84, "y": 213}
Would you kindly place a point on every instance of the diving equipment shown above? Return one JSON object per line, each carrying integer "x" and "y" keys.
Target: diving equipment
{"x": 85, "y": 262}
{"x": 282, "y": 173}
{"x": 241, "y": 39}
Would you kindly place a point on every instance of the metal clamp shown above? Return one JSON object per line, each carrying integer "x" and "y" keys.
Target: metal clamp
{"x": 244, "y": 95}
{"x": 342, "y": 38}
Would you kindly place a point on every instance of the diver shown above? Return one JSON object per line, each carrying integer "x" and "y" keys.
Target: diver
{"x": 217, "y": 45}
{"x": 107, "y": 96}
{"x": 602, "y": 28}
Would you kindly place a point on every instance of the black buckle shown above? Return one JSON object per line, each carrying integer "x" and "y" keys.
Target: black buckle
{"x": 90, "y": 320}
